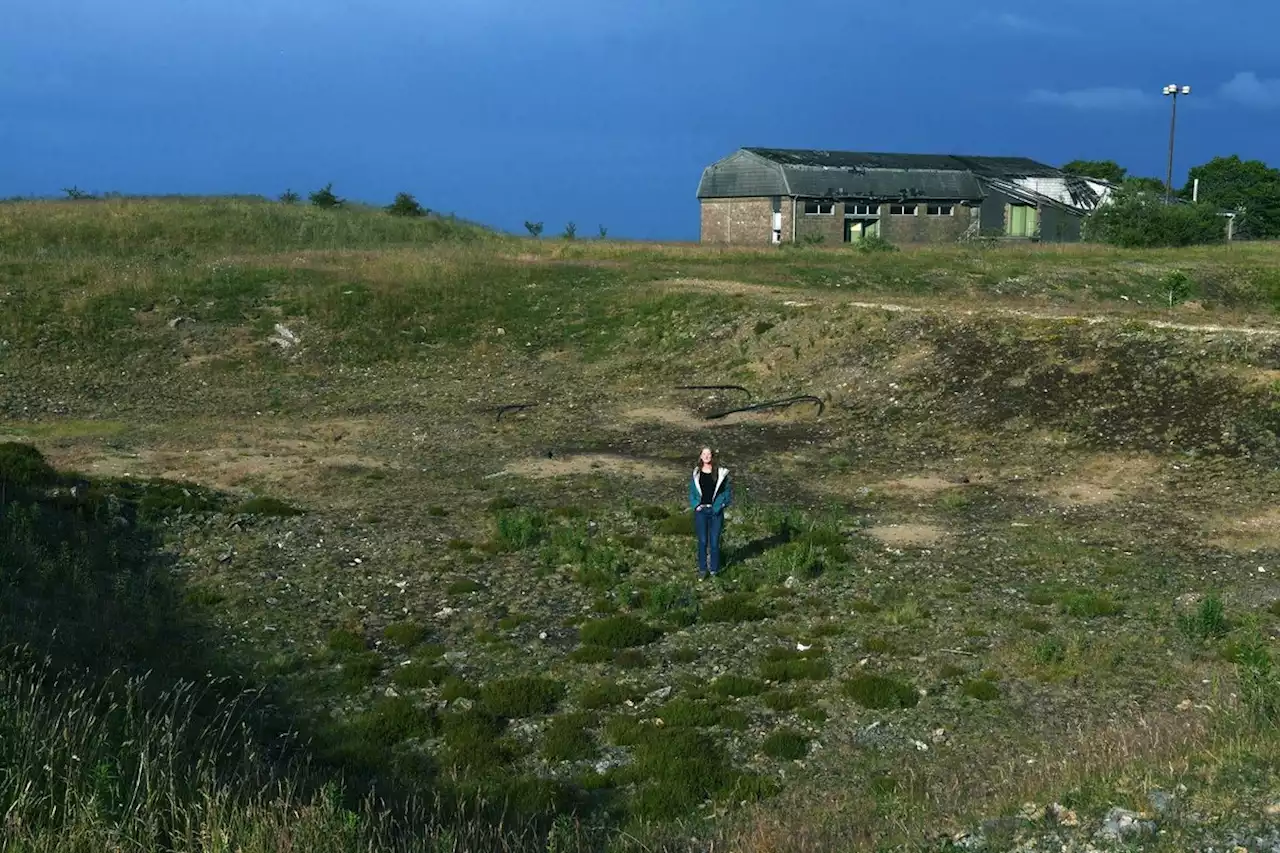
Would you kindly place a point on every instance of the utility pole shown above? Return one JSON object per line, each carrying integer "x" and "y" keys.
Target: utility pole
{"x": 1173, "y": 126}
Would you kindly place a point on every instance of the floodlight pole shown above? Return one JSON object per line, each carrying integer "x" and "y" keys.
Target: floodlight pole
{"x": 1174, "y": 91}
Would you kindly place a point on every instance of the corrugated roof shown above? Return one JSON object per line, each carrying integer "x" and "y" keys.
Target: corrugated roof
{"x": 995, "y": 166}
{"x": 883, "y": 184}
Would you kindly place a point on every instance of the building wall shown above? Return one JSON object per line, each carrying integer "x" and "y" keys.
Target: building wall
{"x": 1059, "y": 226}
{"x": 810, "y": 226}
{"x": 923, "y": 228}
{"x": 743, "y": 221}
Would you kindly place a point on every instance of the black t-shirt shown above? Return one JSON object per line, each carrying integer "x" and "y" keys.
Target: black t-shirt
{"x": 708, "y": 484}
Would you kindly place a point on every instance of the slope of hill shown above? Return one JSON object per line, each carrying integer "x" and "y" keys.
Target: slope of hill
{"x": 1004, "y": 572}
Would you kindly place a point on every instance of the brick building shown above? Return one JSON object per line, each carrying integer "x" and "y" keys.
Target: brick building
{"x": 760, "y": 196}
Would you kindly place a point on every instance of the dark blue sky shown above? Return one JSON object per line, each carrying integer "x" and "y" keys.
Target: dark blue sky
{"x": 598, "y": 111}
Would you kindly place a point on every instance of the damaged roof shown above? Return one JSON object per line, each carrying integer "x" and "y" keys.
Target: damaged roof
{"x": 887, "y": 177}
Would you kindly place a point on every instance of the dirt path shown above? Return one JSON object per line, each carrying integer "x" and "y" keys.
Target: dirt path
{"x": 803, "y": 298}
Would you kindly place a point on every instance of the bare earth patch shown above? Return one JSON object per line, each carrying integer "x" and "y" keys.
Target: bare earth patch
{"x": 681, "y": 418}
{"x": 908, "y": 535}
{"x": 591, "y": 463}
{"x": 1248, "y": 534}
{"x": 1103, "y": 478}
{"x": 928, "y": 484}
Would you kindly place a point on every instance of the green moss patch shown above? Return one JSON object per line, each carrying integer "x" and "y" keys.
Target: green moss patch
{"x": 464, "y": 586}
{"x": 268, "y": 508}
{"x": 618, "y": 632}
{"x": 734, "y": 607}
{"x": 456, "y": 687}
{"x": 880, "y": 692}
{"x": 676, "y": 525}
{"x": 606, "y": 694}
{"x": 404, "y": 635}
{"x": 568, "y": 738}
{"x": 345, "y": 641}
{"x": 737, "y": 685}
{"x": 420, "y": 674}
{"x": 1090, "y": 605}
{"x": 785, "y": 700}
{"x": 522, "y": 696}
{"x": 782, "y": 665}
{"x": 786, "y": 744}
{"x": 982, "y": 690}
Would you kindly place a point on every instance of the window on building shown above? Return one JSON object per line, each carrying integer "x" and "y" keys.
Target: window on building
{"x": 819, "y": 208}
{"x": 902, "y": 209}
{"x": 863, "y": 209}
{"x": 940, "y": 209}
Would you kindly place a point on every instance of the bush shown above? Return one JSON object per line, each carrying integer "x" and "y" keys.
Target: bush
{"x": 456, "y": 687}
{"x": 880, "y": 693}
{"x": 684, "y": 654}
{"x": 618, "y": 632}
{"x": 464, "y": 586}
{"x": 268, "y": 508}
{"x": 520, "y": 529}
{"x": 392, "y": 719}
{"x": 606, "y": 694}
{"x": 734, "y": 607}
{"x": 982, "y": 690}
{"x": 345, "y": 641}
{"x": 325, "y": 198}
{"x": 473, "y": 740}
{"x": 631, "y": 659}
{"x": 406, "y": 205}
{"x": 787, "y": 744}
{"x": 591, "y": 654}
{"x": 522, "y": 696}
{"x": 1090, "y": 605}
{"x": 875, "y": 243}
{"x": 736, "y": 686}
{"x": 680, "y": 524}
{"x": 812, "y": 715}
{"x": 1209, "y": 622}
{"x": 419, "y": 674}
{"x": 1143, "y": 220}
{"x": 1050, "y": 650}
{"x": 651, "y": 513}
{"x": 784, "y": 700}
{"x": 675, "y": 602}
{"x": 567, "y": 738}
{"x": 404, "y": 635}
{"x": 1030, "y": 623}
{"x": 23, "y": 466}
{"x": 783, "y": 665}
{"x": 676, "y": 772}
{"x": 360, "y": 670}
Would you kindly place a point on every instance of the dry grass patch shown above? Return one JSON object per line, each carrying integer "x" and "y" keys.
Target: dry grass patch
{"x": 1252, "y": 533}
{"x": 591, "y": 463}
{"x": 1103, "y": 478}
{"x": 908, "y": 535}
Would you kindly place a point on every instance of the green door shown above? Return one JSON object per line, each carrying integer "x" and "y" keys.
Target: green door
{"x": 1024, "y": 220}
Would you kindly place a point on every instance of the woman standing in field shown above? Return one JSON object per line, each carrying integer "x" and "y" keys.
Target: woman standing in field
{"x": 709, "y": 493}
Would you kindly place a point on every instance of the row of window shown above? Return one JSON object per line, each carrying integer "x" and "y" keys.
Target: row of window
{"x": 827, "y": 208}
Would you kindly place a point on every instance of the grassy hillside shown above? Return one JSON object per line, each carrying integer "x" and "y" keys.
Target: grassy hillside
{"x": 425, "y": 493}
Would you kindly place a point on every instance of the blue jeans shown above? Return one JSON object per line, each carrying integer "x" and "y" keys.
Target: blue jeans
{"x": 708, "y": 525}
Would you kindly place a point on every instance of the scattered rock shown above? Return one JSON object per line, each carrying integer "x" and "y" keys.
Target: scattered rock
{"x": 284, "y": 337}
{"x": 178, "y": 321}
{"x": 1124, "y": 824}
{"x": 1161, "y": 802}
{"x": 1062, "y": 815}
{"x": 660, "y": 694}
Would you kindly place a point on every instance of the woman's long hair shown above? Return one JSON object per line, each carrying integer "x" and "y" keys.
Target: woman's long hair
{"x": 715, "y": 463}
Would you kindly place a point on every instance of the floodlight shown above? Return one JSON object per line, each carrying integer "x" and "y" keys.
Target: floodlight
{"x": 1186, "y": 90}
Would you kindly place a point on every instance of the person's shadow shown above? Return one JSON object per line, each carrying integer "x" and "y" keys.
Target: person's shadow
{"x": 758, "y": 547}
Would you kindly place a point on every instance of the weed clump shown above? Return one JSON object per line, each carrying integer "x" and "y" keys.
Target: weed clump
{"x": 786, "y": 744}
{"x": 360, "y": 670}
{"x": 784, "y": 700}
{"x": 982, "y": 690}
{"x": 684, "y": 654}
{"x": 631, "y": 659}
{"x": 676, "y": 772}
{"x": 1209, "y": 622}
{"x": 783, "y": 665}
{"x": 268, "y": 508}
{"x": 1049, "y": 651}
{"x": 1090, "y": 605}
{"x": 345, "y": 641}
{"x": 734, "y": 607}
{"x": 591, "y": 654}
{"x": 404, "y": 635}
{"x": 618, "y": 632}
{"x": 880, "y": 692}
{"x": 673, "y": 602}
{"x": 862, "y": 605}
{"x": 23, "y": 466}
{"x": 393, "y": 719}
{"x": 676, "y": 525}
{"x": 520, "y": 529}
{"x": 473, "y": 740}
{"x": 464, "y": 586}
{"x": 736, "y": 686}
{"x": 812, "y": 715}
{"x": 522, "y": 696}
{"x": 456, "y": 687}
{"x": 605, "y": 694}
{"x": 651, "y": 513}
{"x": 420, "y": 674}
{"x": 567, "y": 738}
{"x": 879, "y": 646}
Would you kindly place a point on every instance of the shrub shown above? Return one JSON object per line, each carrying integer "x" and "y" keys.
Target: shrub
{"x": 736, "y": 686}
{"x": 1042, "y": 598}
{"x": 522, "y": 696}
{"x": 606, "y": 694}
{"x": 1259, "y": 678}
{"x": 676, "y": 772}
{"x": 1089, "y": 605}
{"x": 684, "y": 654}
{"x": 392, "y": 719}
{"x": 456, "y": 687}
{"x": 325, "y": 198}
{"x": 570, "y": 231}
{"x": 404, "y": 635}
{"x": 290, "y": 197}
{"x": 360, "y": 670}
{"x": 1030, "y": 623}
{"x": 1050, "y": 650}
{"x": 680, "y": 524}
{"x": 567, "y": 738}
{"x": 520, "y": 529}
{"x": 734, "y": 607}
{"x": 982, "y": 690}
{"x": 785, "y": 700}
{"x": 874, "y": 243}
{"x": 419, "y": 674}
{"x": 1209, "y": 622}
{"x": 812, "y": 715}
{"x": 345, "y": 641}
{"x": 861, "y": 605}
{"x": 534, "y": 229}
{"x": 591, "y": 654}
{"x": 618, "y": 632}
{"x": 879, "y": 646}
{"x": 786, "y": 744}
{"x": 1142, "y": 220}
{"x": 783, "y": 665}
{"x": 406, "y": 205}
{"x": 631, "y": 659}
{"x": 762, "y": 326}
{"x": 1274, "y": 609}
{"x": 688, "y": 713}
{"x": 601, "y": 567}
{"x": 651, "y": 513}
{"x": 473, "y": 740}
{"x": 464, "y": 586}
{"x": 880, "y": 693}
{"x": 950, "y": 670}
{"x": 24, "y": 466}
{"x": 674, "y": 602}
{"x": 268, "y": 508}
{"x": 826, "y": 629}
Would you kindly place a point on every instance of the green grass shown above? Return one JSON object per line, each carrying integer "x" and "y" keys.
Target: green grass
{"x": 982, "y": 690}
{"x": 733, "y": 607}
{"x": 618, "y": 632}
{"x": 1090, "y": 605}
{"x": 404, "y": 635}
{"x": 567, "y": 738}
{"x": 736, "y": 686}
{"x": 786, "y": 744}
{"x": 880, "y": 692}
{"x": 783, "y": 665}
{"x": 523, "y": 696}
{"x": 268, "y": 508}
{"x": 346, "y": 641}
{"x": 420, "y": 674}
{"x": 22, "y": 465}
